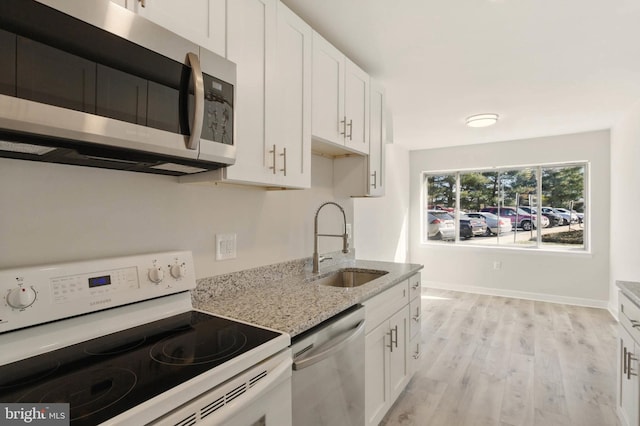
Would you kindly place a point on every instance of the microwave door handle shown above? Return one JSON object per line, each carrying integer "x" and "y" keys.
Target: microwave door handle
{"x": 198, "y": 112}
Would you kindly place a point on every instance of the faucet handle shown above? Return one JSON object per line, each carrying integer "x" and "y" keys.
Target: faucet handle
{"x": 323, "y": 258}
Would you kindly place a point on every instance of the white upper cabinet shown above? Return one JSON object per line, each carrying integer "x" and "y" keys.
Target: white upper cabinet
{"x": 356, "y": 107}
{"x": 200, "y": 21}
{"x": 377, "y": 140}
{"x": 363, "y": 176}
{"x": 340, "y": 98}
{"x": 251, "y": 40}
{"x": 293, "y": 101}
{"x": 271, "y": 47}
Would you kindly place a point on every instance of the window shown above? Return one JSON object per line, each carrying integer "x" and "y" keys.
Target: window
{"x": 531, "y": 207}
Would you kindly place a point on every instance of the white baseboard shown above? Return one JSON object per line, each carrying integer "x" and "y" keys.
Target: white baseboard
{"x": 540, "y": 297}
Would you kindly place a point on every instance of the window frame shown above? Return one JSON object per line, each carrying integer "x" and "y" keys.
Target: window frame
{"x": 538, "y": 246}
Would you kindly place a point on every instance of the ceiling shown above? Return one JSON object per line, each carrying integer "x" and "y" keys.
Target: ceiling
{"x": 547, "y": 67}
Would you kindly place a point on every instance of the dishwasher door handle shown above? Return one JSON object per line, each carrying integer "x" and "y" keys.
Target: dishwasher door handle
{"x": 329, "y": 348}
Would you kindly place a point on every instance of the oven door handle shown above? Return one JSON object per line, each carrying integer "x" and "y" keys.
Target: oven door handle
{"x": 193, "y": 141}
{"x": 329, "y": 348}
{"x": 277, "y": 374}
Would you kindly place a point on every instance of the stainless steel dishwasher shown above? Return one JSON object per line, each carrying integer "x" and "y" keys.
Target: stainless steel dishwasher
{"x": 328, "y": 372}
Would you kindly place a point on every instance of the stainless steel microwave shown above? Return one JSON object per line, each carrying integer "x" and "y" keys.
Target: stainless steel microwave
{"x": 91, "y": 83}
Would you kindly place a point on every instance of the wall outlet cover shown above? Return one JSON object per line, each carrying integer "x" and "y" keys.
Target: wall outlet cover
{"x": 226, "y": 246}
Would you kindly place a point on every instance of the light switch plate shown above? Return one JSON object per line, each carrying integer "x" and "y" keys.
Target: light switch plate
{"x": 226, "y": 246}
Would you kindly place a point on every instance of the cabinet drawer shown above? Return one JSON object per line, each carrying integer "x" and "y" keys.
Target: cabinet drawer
{"x": 414, "y": 286}
{"x": 380, "y": 307}
{"x": 630, "y": 316}
{"x": 415, "y": 315}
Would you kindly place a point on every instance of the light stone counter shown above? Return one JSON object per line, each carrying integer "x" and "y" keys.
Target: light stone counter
{"x": 284, "y": 297}
{"x": 631, "y": 290}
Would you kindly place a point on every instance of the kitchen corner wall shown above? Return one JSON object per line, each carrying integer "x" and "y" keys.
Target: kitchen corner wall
{"x": 625, "y": 202}
{"x": 57, "y": 213}
{"x": 382, "y": 224}
{"x": 559, "y": 277}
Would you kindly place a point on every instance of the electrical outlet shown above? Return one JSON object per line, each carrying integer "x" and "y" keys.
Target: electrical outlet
{"x": 226, "y": 246}
{"x": 349, "y": 232}
{"x": 497, "y": 265}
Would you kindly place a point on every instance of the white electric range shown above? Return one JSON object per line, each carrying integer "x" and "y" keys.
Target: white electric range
{"x": 119, "y": 341}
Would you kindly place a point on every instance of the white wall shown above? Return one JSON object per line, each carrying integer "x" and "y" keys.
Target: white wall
{"x": 55, "y": 213}
{"x": 568, "y": 278}
{"x": 625, "y": 200}
{"x": 381, "y": 225}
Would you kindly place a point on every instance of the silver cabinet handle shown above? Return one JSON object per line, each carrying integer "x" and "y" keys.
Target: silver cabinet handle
{"x": 375, "y": 179}
{"x": 344, "y": 126}
{"x": 396, "y": 339}
{"x": 198, "y": 114}
{"x": 328, "y": 349}
{"x": 273, "y": 159}
{"x": 416, "y": 285}
{"x": 635, "y": 323}
{"x": 624, "y": 361}
{"x": 284, "y": 157}
{"x": 350, "y": 129}
{"x": 418, "y": 315}
{"x": 630, "y": 358}
{"x": 390, "y": 345}
{"x": 417, "y": 354}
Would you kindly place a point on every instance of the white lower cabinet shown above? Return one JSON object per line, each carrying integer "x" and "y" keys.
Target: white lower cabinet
{"x": 628, "y": 397}
{"x": 390, "y": 355}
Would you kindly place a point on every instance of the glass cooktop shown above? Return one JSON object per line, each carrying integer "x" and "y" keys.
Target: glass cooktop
{"x": 106, "y": 376}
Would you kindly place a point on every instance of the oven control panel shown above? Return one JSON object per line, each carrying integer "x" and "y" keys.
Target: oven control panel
{"x": 39, "y": 294}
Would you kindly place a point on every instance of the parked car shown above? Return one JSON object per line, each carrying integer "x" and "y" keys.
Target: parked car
{"x": 545, "y": 221}
{"x": 567, "y": 216}
{"x": 474, "y": 226}
{"x": 495, "y": 225}
{"x": 519, "y": 218}
{"x": 554, "y": 219}
{"x": 440, "y": 225}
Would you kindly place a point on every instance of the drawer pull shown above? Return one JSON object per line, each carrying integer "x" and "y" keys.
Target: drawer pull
{"x": 417, "y": 318}
{"x": 416, "y": 285}
{"x": 635, "y": 323}
{"x": 417, "y": 355}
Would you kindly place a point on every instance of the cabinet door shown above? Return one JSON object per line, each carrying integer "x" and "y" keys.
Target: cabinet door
{"x": 376, "y": 361}
{"x": 200, "y": 21}
{"x": 377, "y": 135}
{"x": 293, "y": 104}
{"x": 328, "y": 116}
{"x": 356, "y": 105}
{"x": 251, "y": 36}
{"x": 629, "y": 385}
{"x": 398, "y": 361}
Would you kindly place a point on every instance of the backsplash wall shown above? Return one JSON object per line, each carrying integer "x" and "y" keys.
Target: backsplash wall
{"x": 56, "y": 213}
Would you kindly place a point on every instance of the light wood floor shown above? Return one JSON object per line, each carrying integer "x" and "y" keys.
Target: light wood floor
{"x": 498, "y": 361}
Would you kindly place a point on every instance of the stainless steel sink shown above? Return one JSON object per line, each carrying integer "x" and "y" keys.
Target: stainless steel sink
{"x": 350, "y": 277}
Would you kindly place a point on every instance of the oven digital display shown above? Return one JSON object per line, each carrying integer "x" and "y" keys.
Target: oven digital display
{"x": 99, "y": 281}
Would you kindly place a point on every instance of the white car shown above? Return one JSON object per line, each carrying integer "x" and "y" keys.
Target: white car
{"x": 440, "y": 225}
{"x": 495, "y": 225}
{"x": 567, "y": 216}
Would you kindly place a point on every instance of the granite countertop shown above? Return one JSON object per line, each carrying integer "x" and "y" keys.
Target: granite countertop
{"x": 295, "y": 303}
{"x": 631, "y": 289}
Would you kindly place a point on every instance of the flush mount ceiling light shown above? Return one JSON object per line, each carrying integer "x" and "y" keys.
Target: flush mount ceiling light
{"x": 481, "y": 120}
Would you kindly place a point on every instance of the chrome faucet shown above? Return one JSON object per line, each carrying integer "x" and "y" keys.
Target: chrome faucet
{"x": 344, "y": 236}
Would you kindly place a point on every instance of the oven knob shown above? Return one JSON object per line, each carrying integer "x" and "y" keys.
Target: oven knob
{"x": 156, "y": 275}
{"x": 21, "y": 297}
{"x": 177, "y": 270}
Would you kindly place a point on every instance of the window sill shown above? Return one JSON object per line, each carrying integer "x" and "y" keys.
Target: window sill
{"x": 536, "y": 251}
